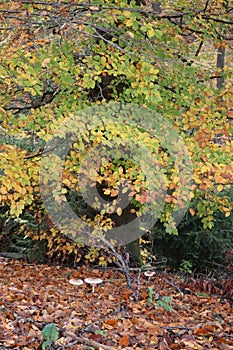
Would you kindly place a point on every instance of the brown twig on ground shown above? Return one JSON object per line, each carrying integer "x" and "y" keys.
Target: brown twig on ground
{"x": 88, "y": 342}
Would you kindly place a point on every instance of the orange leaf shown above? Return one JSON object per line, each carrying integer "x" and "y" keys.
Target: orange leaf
{"x": 219, "y": 179}
{"x": 114, "y": 193}
{"x": 204, "y": 330}
{"x": 112, "y": 322}
{"x": 124, "y": 341}
{"x": 192, "y": 212}
{"x": 45, "y": 62}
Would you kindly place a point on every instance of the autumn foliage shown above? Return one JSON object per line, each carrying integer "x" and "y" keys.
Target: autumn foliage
{"x": 59, "y": 58}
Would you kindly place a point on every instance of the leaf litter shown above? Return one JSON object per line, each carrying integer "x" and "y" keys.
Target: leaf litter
{"x": 176, "y": 315}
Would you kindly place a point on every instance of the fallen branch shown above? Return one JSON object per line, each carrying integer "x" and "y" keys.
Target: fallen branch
{"x": 88, "y": 342}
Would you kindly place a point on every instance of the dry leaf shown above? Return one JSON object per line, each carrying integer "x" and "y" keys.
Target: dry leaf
{"x": 124, "y": 341}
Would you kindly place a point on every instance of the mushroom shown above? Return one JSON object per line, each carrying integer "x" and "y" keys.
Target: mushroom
{"x": 149, "y": 274}
{"x": 93, "y": 281}
{"x": 76, "y": 282}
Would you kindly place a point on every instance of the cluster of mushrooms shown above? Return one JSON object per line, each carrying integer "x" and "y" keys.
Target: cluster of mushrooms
{"x": 94, "y": 280}
{"x": 91, "y": 280}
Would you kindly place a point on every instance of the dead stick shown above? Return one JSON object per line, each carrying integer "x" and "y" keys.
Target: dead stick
{"x": 89, "y": 342}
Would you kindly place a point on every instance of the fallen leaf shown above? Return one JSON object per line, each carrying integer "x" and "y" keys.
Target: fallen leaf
{"x": 124, "y": 340}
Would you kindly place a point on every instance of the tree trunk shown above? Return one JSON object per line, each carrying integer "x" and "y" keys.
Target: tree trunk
{"x": 133, "y": 248}
{"x": 221, "y": 58}
{"x": 220, "y": 66}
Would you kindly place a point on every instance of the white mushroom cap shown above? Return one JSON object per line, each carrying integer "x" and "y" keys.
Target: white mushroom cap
{"x": 76, "y": 282}
{"x": 149, "y": 273}
{"x": 93, "y": 280}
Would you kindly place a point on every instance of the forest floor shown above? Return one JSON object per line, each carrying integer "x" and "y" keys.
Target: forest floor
{"x": 169, "y": 312}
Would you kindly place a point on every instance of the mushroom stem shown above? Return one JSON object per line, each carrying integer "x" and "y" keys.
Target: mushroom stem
{"x": 149, "y": 274}
{"x": 92, "y": 281}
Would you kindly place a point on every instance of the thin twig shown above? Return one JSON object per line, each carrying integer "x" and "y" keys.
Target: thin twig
{"x": 173, "y": 285}
{"x": 87, "y": 341}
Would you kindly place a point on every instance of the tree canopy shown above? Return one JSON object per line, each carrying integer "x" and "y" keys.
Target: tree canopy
{"x": 59, "y": 58}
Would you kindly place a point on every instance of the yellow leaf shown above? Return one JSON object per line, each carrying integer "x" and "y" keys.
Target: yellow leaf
{"x": 220, "y": 188}
{"x": 191, "y": 195}
{"x": 150, "y": 33}
{"x": 175, "y": 180}
{"x": 3, "y": 190}
{"x": 66, "y": 182}
{"x": 154, "y": 71}
{"x": 120, "y": 170}
{"x": 98, "y": 179}
{"x": 130, "y": 34}
{"x": 107, "y": 191}
{"x": 128, "y": 22}
{"x": 204, "y": 168}
{"x": 3, "y": 111}
{"x": 125, "y": 189}
{"x": 119, "y": 211}
{"x": 127, "y": 13}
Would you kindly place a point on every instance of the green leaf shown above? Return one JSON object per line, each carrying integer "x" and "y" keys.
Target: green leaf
{"x": 50, "y": 335}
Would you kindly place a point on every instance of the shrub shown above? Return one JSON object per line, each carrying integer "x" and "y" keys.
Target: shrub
{"x": 197, "y": 248}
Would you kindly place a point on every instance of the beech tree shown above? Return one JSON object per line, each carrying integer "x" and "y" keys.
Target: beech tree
{"x": 59, "y": 58}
